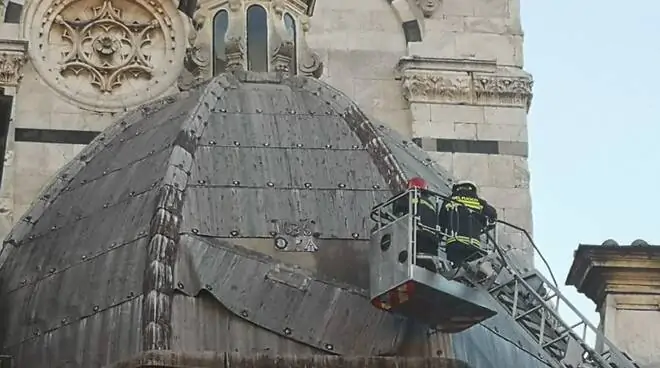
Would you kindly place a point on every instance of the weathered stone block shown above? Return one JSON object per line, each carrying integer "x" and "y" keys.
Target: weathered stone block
{"x": 444, "y": 159}
{"x": 440, "y": 24}
{"x": 443, "y": 45}
{"x": 458, "y": 7}
{"x": 472, "y": 167}
{"x": 502, "y": 132}
{"x": 444, "y": 113}
{"x": 491, "y": 8}
{"x": 420, "y": 112}
{"x": 505, "y": 115}
{"x": 487, "y": 46}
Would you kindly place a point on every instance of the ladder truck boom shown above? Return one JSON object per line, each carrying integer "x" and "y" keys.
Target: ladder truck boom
{"x": 451, "y": 300}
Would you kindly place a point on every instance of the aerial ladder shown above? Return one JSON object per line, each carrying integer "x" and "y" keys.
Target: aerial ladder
{"x": 452, "y": 300}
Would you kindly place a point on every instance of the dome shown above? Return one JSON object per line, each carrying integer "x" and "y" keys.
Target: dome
{"x": 231, "y": 218}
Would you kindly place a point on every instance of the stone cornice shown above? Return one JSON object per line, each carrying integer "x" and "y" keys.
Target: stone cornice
{"x": 601, "y": 270}
{"x": 12, "y": 59}
{"x": 464, "y": 81}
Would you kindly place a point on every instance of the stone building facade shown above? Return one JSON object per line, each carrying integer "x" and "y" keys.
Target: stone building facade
{"x": 446, "y": 73}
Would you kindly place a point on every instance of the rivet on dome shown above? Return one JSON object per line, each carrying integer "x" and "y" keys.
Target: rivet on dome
{"x": 292, "y": 111}
{"x": 355, "y": 146}
{"x": 376, "y": 186}
{"x": 355, "y": 235}
{"x": 208, "y": 287}
{"x": 234, "y": 233}
{"x": 237, "y": 143}
{"x": 259, "y": 111}
{"x": 52, "y": 270}
{"x": 236, "y": 182}
{"x": 244, "y": 313}
{"x": 223, "y": 110}
{"x": 266, "y": 144}
{"x": 106, "y": 205}
{"x": 212, "y": 143}
{"x": 180, "y": 285}
{"x": 96, "y": 308}
{"x": 299, "y": 145}
{"x": 131, "y": 194}
{"x": 53, "y": 227}
{"x": 308, "y": 185}
{"x": 342, "y": 185}
{"x": 63, "y": 321}
{"x": 83, "y": 258}
{"x": 329, "y": 347}
{"x": 328, "y": 146}
{"x": 270, "y": 184}
{"x": 287, "y": 331}
{"x": 201, "y": 181}
{"x": 195, "y": 231}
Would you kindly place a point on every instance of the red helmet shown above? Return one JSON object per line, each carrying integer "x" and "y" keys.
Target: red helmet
{"x": 417, "y": 183}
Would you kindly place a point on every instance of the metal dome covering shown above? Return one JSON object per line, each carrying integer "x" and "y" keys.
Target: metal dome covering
{"x": 161, "y": 234}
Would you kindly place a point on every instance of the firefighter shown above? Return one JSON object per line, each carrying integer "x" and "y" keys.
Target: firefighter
{"x": 463, "y": 218}
{"x": 428, "y": 240}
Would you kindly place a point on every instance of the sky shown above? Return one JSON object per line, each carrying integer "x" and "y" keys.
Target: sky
{"x": 594, "y": 125}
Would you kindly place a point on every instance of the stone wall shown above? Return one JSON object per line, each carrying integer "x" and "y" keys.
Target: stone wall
{"x": 447, "y": 73}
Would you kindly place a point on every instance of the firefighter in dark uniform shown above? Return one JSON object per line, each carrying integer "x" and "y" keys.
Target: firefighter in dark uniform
{"x": 463, "y": 218}
{"x": 428, "y": 241}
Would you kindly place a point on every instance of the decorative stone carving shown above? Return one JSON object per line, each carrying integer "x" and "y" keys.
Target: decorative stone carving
{"x": 107, "y": 47}
{"x": 467, "y": 88}
{"x": 198, "y": 53}
{"x": 437, "y": 88}
{"x": 504, "y": 90}
{"x": 235, "y": 52}
{"x": 11, "y": 66}
{"x": 282, "y": 56}
{"x": 428, "y": 7}
{"x": 310, "y": 63}
{"x": 106, "y": 54}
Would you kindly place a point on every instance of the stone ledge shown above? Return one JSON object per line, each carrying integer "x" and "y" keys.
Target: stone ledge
{"x": 464, "y": 82}
{"x": 601, "y": 270}
{"x": 172, "y": 359}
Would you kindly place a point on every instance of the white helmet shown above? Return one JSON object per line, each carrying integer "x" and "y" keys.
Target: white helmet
{"x": 464, "y": 185}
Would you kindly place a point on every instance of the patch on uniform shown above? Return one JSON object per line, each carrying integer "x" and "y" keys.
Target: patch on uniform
{"x": 295, "y": 235}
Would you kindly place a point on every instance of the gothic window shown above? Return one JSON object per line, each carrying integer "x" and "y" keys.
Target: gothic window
{"x": 290, "y": 24}
{"x": 257, "y": 39}
{"x": 220, "y": 25}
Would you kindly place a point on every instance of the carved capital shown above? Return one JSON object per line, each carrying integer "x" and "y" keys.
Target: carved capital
{"x": 11, "y": 67}
{"x": 282, "y": 57}
{"x": 235, "y": 51}
{"x": 428, "y": 80}
{"x": 428, "y": 7}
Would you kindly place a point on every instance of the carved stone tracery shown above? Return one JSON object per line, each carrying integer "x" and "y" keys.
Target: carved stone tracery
{"x": 106, "y": 55}
{"x": 107, "y": 47}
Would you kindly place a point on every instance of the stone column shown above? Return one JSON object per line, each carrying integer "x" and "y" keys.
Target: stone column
{"x": 12, "y": 58}
{"x": 624, "y": 283}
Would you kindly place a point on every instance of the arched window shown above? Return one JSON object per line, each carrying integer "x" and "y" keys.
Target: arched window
{"x": 257, "y": 39}
{"x": 290, "y": 24}
{"x": 220, "y": 25}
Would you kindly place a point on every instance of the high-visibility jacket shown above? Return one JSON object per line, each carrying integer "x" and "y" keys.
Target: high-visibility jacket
{"x": 464, "y": 217}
